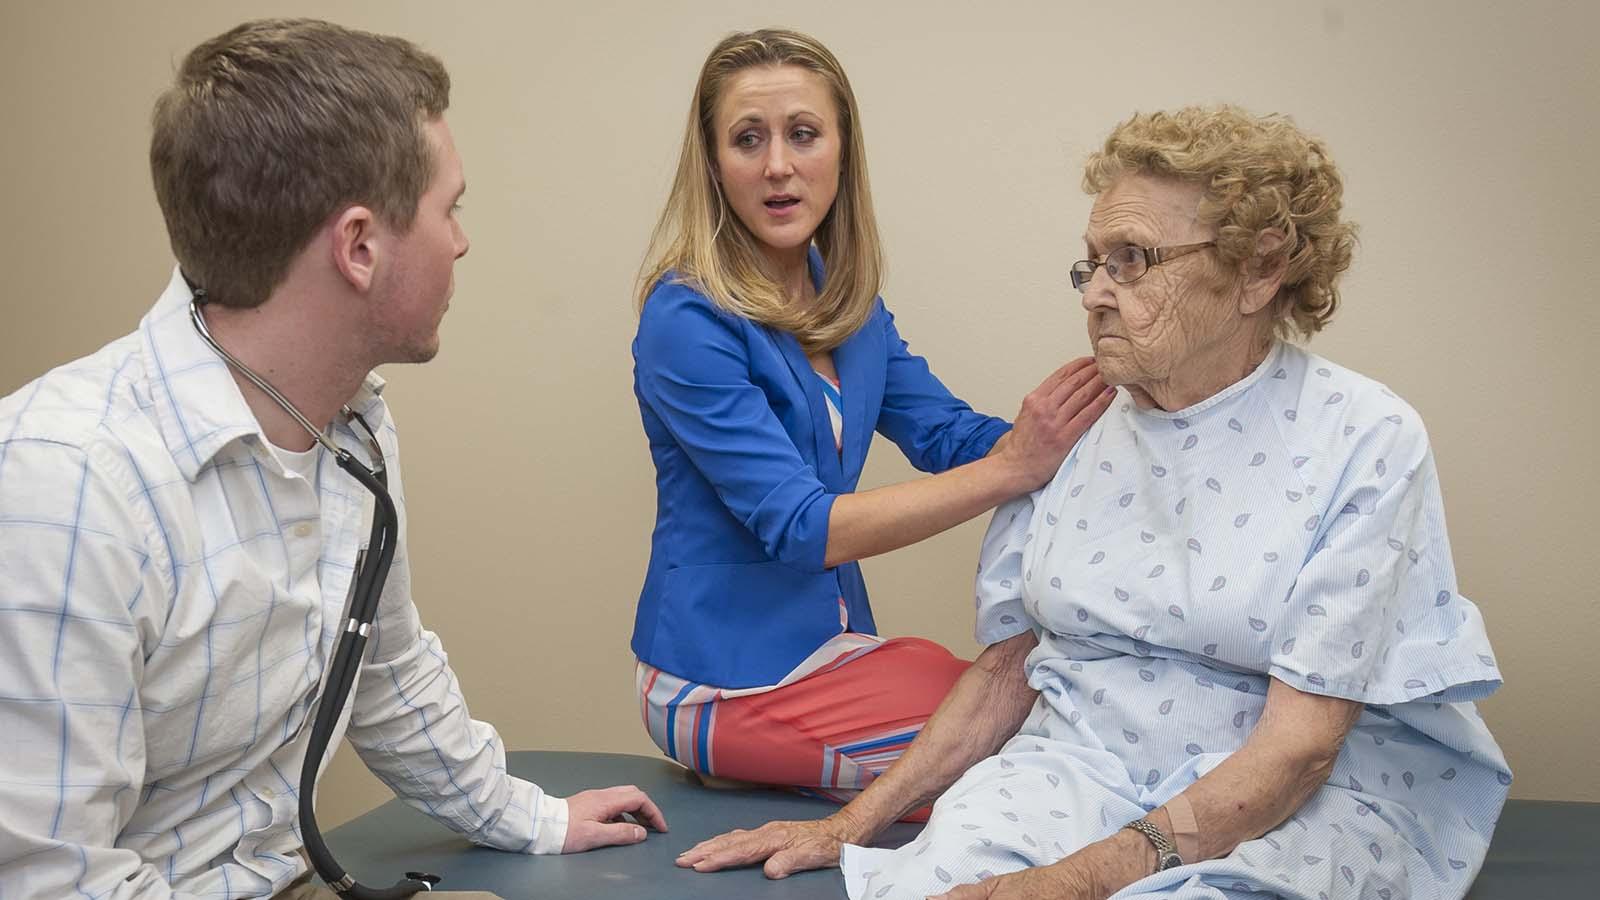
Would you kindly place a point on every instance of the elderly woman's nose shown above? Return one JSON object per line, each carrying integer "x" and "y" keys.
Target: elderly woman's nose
{"x": 1098, "y": 293}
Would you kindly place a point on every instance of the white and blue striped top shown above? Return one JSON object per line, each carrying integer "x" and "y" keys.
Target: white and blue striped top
{"x": 170, "y": 593}
{"x": 834, "y": 393}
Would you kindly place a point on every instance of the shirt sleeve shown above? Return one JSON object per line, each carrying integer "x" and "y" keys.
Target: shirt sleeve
{"x": 410, "y": 724}
{"x": 693, "y": 371}
{"x": 931, "y": 426}
{"x": 78, "y": 563}
{"x": 1375, "y": 615}
{"x": 1002, "y": 612}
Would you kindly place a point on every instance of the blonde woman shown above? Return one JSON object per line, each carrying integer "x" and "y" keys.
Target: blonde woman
{"x": 764, "y": 362}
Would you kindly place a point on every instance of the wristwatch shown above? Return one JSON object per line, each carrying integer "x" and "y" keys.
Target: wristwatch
{"x": 1166, "y": 854}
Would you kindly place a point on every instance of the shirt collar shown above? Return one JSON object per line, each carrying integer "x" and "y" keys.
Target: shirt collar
{"x": 197, "y": 403}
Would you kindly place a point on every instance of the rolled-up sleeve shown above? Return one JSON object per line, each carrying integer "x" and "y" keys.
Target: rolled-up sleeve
{"x": 931, "y": 426}
{"x": 693, "y": 370}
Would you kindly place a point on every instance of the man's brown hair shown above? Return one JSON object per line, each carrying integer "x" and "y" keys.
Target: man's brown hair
{"x": 273, "y": 126}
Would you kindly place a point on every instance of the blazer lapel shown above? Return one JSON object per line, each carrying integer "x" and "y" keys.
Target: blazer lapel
{"x": 825, "y": 453}
{"x": 860, "y": 361}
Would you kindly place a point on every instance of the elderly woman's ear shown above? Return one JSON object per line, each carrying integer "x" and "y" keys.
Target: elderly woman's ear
{"x": 1263, "y": 273}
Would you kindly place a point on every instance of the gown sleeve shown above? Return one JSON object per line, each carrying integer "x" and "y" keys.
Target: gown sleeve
{"x": 1002, "y": 613}
{"x": 1375, "y": 615}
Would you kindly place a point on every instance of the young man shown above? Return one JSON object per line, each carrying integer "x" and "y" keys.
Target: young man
{"x": 176, "y": 550}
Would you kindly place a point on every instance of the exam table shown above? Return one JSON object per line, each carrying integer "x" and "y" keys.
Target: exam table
{"x": 1541, "y": 849}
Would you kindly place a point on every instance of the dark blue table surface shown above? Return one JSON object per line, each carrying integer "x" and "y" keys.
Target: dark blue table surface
{"x": 1541, "y": 849}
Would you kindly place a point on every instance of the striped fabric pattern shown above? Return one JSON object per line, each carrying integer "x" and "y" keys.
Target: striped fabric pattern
{"x": 856, "y": 764}
{"x": 680, "y": 715}
{"x": 827, "y": 734}
{"x": 833, "y": 393}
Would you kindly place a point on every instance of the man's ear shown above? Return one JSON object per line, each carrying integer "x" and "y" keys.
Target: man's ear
{"x": 356, "y": 246}
{"x": 1263, "y": 272}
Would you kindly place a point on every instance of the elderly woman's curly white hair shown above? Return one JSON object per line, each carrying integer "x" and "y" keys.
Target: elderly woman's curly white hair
{"x": 1259, "y": 174}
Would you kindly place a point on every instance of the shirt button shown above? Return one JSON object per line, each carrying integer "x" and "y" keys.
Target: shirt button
{"x": 304, "y": 529}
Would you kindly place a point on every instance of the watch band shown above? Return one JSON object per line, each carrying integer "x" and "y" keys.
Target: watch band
{"x": 1166, "y": 854}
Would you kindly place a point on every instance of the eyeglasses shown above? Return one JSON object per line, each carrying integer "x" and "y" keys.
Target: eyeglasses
{"x": 1128, "y": 264}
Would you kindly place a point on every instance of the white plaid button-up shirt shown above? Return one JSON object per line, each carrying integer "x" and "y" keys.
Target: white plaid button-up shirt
{"x": 170, "y": 595}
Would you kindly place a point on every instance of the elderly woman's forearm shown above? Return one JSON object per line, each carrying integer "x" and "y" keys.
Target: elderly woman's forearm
{"x": 1250, "y": 794}
{"x": 985, "y": 708}
{"x": 1288, "y": 756}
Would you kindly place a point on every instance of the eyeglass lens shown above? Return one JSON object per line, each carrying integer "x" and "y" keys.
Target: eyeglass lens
{"x": 1124, "y": 265}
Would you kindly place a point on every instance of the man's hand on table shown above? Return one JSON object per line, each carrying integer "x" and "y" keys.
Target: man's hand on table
{"x": 594, "y": 818}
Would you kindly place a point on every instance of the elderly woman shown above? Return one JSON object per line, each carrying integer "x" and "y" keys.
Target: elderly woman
{"x": 1248, "y": 669}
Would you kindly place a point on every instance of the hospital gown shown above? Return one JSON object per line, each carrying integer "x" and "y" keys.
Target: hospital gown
{"x": 1289, "y": 527}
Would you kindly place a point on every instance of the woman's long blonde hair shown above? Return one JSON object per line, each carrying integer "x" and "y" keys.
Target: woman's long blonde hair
{"x": 701, "y": 242}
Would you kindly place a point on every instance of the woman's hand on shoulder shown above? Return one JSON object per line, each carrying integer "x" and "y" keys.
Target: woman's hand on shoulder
{"x": 1053, "y": 417}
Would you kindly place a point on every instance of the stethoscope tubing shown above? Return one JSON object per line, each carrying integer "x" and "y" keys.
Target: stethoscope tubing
{"x": 372, "y": 571}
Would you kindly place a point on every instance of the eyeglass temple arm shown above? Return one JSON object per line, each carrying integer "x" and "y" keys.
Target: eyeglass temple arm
{"x": 1157, "y": 255}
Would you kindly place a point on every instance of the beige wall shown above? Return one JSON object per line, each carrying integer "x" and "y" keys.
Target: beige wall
{"x": 1467, "y": 135}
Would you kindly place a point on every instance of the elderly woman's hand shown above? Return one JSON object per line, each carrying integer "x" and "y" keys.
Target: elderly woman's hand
{"x": 787, "y": 847}
{"x": 1053, "y": 417}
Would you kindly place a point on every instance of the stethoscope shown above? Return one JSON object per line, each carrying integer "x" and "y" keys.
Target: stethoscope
{"x": 371, "y": 570}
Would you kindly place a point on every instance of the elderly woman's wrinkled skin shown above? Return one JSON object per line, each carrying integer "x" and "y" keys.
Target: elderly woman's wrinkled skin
{"x": 1180, "y": 333}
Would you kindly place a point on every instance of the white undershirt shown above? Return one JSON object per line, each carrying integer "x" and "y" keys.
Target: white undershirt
{"x": 301, "y": 462}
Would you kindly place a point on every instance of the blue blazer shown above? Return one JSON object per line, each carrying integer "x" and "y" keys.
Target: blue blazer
{"x": 736, "y": 594}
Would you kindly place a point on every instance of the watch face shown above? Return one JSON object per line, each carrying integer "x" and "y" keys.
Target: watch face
{"x": 1169, "y": 861}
